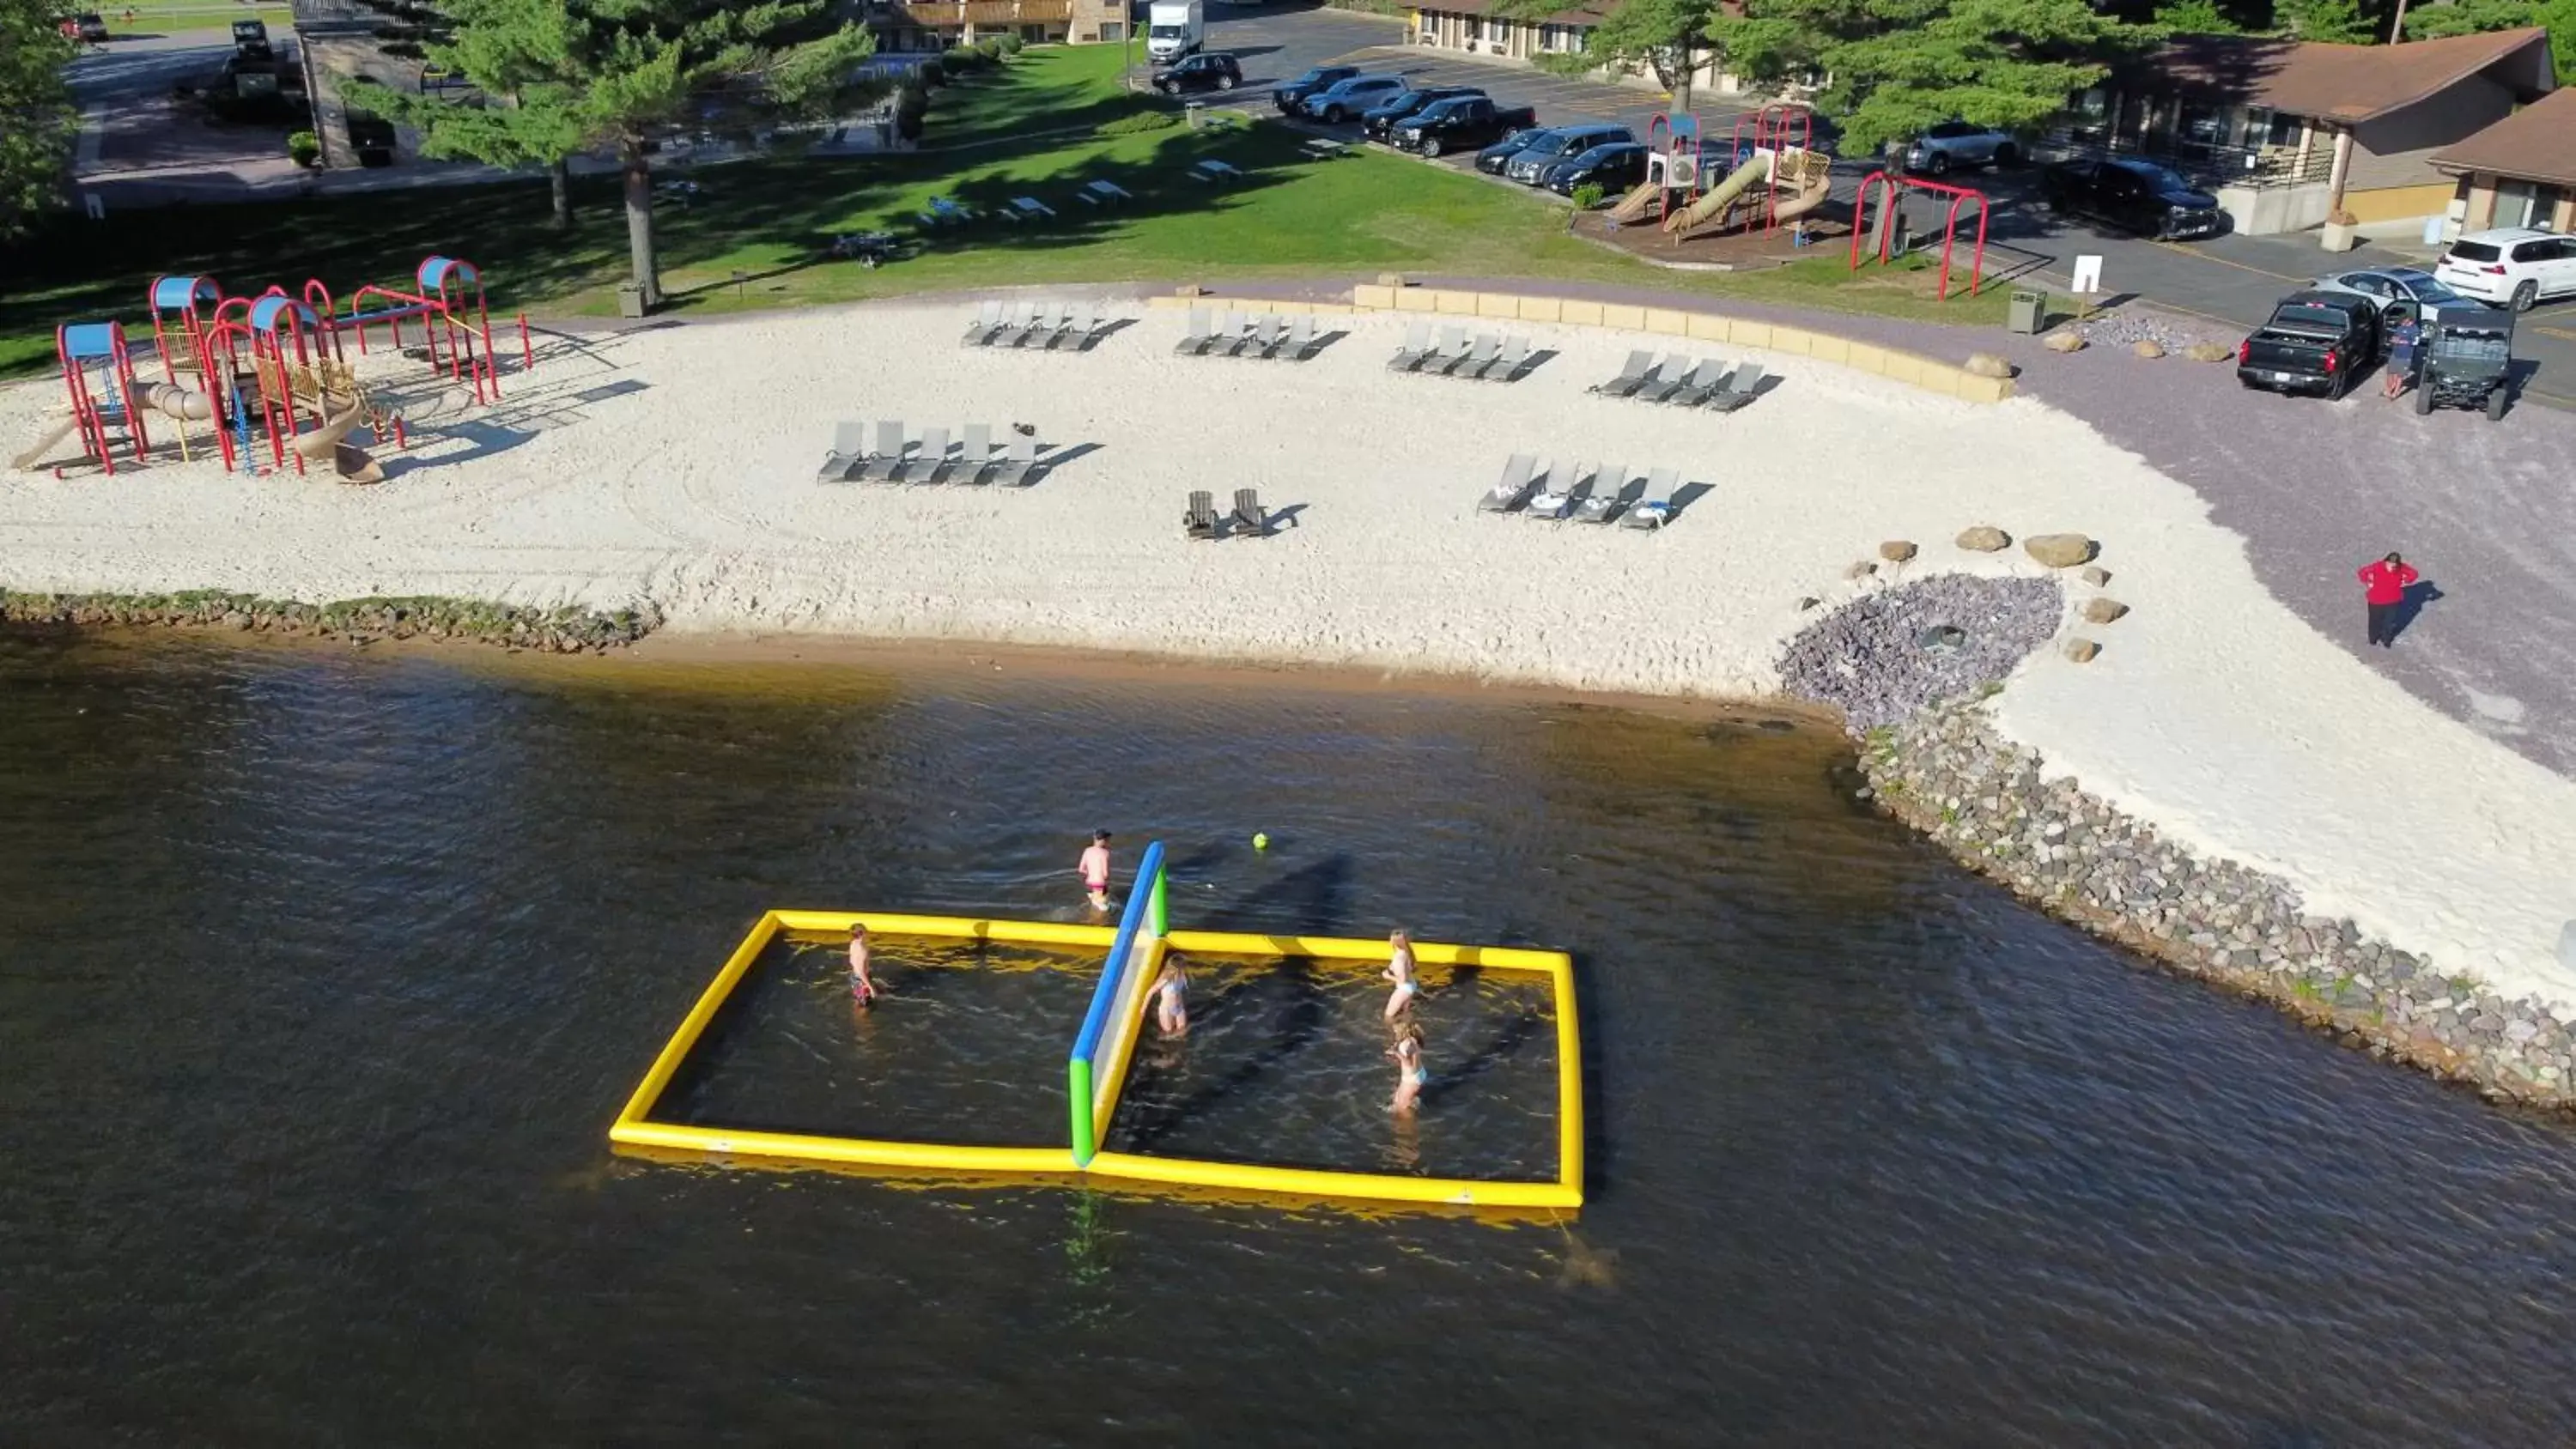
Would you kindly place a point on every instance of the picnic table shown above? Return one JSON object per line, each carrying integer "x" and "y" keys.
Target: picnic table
{"x": 870, "y": 247}
{"x": 1325, "y": 150}
{"x": 1212, "y": 169}
{"x": 1103, "y": 193}
{"x": 1026, "y": 208}
{"x": 944, "y": 212}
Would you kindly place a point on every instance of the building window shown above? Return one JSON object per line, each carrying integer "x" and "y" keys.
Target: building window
{"x": 1112, "y": 31}
{"x": 1560, "y": 39}
{"x": 2201, "y": 124}
{"x": 1498, "y": 32}
{"x": 2516, "y": 203}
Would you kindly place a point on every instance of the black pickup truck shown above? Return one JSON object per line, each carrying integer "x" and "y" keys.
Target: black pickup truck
{"x": 1463, "y": 123}
{"x": 2316, "y": 342}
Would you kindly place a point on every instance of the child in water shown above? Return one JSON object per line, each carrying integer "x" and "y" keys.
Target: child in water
{"x": 862, "y": 989}
{"x": 1399, "y": 969}
{"x": 1410, "y": 1075}
{"x": 1171, "y": 1011}
{"x": 1095, "y": 870}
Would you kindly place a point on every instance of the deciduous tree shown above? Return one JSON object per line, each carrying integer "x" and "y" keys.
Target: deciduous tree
{"x": 1664, "y": 38}
{"x": 37, "y": 122}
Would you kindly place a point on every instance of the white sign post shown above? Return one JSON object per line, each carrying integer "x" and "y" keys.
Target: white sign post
{"x": 2088, "y": 280}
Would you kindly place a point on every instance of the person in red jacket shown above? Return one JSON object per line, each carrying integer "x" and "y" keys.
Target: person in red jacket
{"x": 2384, "y": 585}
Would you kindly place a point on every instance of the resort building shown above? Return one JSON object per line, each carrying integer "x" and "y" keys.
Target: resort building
{"x": 2521, "y": 171}
{"x": 1472, "y": 27}
{"x": 2288, "y": 133}
{"x": 932, "y": 25}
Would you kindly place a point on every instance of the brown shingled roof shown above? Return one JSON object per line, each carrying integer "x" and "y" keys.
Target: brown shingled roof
{"x": 2348, "y": 83}
{"x": 2537, "y": 142}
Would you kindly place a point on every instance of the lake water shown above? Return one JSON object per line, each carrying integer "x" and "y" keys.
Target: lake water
{"x": 322, "y": 973}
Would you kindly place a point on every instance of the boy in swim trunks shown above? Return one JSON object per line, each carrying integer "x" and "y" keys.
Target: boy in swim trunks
{"x": 1095, "y": 870}
{"x": 1399, "y": 969}
{"x": 862, "y": 989}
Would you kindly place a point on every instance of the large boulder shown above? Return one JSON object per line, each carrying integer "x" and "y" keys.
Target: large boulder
{"x": 2082, "y": 651}
{"x": 2061, "y": 550}
{"x": 1986, "y": 364}
{"x": 2149, "y": 347}
{"x": 2064, "y": 342}
{"x": 1985, "y": 538}
{"x": 2097, "y": 576}
{"x": 2210, "y": 352}
{"x": 1896, "y": 550}
{"x": 2103, "y": 611}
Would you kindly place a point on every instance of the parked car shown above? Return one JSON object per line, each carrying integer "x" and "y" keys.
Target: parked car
{"x": 1288, "y": 98}
{"x": 1378, "y": 121}
{"x": 1463, "y": 123}
{"x": 1494, "y": 157}
{"x": 1614, "y": 168}
{"x": 1209, "y": 70}
{"x": 1344, "y": 99}
{"x": 2512, "y": 266}
{"x": 89, "y": 26}
{"x": 1563, "y": 143}
{"x": 2316, "y": 342}
{"x": 2389, "y": 286}
{"x": 1954, "y": 144}
{"x": 2468, "y": 360}
{"x": 2133, "y": 195}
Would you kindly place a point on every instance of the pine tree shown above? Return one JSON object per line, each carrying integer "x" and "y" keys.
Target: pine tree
{"x": 625, "y": 73}
{"x": 37, "y": 122}
{"x": 2472, "y": 17}
{"x": 2196, "y": 17}
{"x": 2337, "y": 22}
{"x": 517, "y": 54}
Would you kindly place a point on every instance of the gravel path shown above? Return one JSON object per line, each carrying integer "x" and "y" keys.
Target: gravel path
{"x": 1878, "y": 658}
{"x": 2486, "y": 511}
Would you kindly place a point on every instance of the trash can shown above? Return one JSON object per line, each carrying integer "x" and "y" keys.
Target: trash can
{"x": 630, "y": 300}
{"x": 2028, "y": 312}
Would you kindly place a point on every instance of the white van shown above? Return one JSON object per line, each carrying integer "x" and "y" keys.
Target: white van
{"x": 2512, "y": 266}
{"x": 1173, "y": 30}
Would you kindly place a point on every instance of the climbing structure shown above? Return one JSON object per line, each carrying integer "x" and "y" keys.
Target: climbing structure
{"x": 98, "y": 372}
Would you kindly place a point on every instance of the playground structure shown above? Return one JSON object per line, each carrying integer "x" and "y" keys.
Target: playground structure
{"x": 1774, "y": 175}
{"x": 273, "y": 363}
{"x": 1096, "y": 1068}
{"x": 1884, "y": 238}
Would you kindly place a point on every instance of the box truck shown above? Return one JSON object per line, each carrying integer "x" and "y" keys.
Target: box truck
{"x": 1174, "y": 30}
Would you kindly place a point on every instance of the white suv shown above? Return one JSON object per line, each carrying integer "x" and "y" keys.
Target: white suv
{"x": 2511, "y": 266}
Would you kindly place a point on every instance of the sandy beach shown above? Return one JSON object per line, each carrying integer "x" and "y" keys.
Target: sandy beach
{"x": 676, "y": 465}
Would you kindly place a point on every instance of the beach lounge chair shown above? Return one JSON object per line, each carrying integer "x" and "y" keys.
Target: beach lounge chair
{"x": 1611, "y": 491}
{"x": 1075, "y": 331}
{"x": 1558, "y": 492}
{"x": 1664, "y": 381}
{"x": 1249, "y": 516}
{"x": 1512, "y": 488}
{"x": 1487, "y": 351}
{"x": 1654, "y": 506}
{"x": 1270, "y": 337}
{"x": 1507, "y": 367}
{"x": 1739, "y": 389}
{"x": 883, "y": 459}
{"x": 1201, "y": 521}
{"x": 1417, "y": 346}
{"x": 988, "y": 320}
{"x": 1300, "y": 343}
{"x": 1196, "y": 336}
{"x": 1632, "y": 373}
{"x": 1451, "y": 351}
{"x": 1233, "y": 329}
{"x": 1701, "y": 385}
{"x": 974, "y": 456}
{"x": 1016, "y": 327}
{"x": 1019, "y": 465}
{"x": 928, "y": 461}
{"x": 1051, "y": 319}
{"x": 849, "y": 446}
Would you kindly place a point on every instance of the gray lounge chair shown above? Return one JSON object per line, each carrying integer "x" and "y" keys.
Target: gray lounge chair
{"x": 1234, "y": 334}
{"x": 1654, "y": 506}
{"x": 1739, "y": 389}
{"x": 1452, "y": 351}
{"x": 928, "y": 461}
{"x": 849, "y": 447}
{"x": 1557, "y": 493}
{"x": 1016, "y": 329}
{"x": 1611, "y": 492}
{"x": 988, "y": 320}
{"x": 1507, "y": 367}
{"x": 1703, "y": 383}
{"x": 883, "y": 459}
{"x": 1665, "y": 381}
{"x": 974, "y": 456}
{"x": 1200, "y": 520}
{"x": 1512, "y": 489}
{"x": 1019, "y": 465}
{"x": 1041, "y": 332}
{"x": 1080, "y": 331}
{"x": 1301, "y": 342}
{"x": 1249, "y": 516}
{"x": 1417, "y": 346}
{"x": 1487, "y": 351}
{"x": 1263, "y": 337}
{"x": 1196, "y": 336}
{"x": 1632, "y": 373}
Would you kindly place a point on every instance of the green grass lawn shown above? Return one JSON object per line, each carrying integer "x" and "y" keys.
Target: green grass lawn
{"x": 166, "y": 19}
{"x": 773, "y": 221}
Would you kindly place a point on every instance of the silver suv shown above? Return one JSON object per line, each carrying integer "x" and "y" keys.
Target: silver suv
{"x": 1956, "y": 143}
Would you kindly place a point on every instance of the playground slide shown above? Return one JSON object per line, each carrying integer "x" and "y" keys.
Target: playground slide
{"x": 1811, "y": 194}
{"x": 184, "y": 403}
{"x": 1639, "y": 204}
{"x": 55, "y": 431}
{"x": 351, "y": 461}
{"x": 1712, "y": 207}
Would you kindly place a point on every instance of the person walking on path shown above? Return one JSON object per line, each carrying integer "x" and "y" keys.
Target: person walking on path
{"x": 2384, "y": 585}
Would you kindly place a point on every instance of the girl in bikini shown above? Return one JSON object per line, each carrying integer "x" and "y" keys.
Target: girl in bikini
{"x": 1171, "y": 1012}
{"x": 1410, "y": 1075}
{"x": 862, "y": 989}
{"x": 1399, "y": 969}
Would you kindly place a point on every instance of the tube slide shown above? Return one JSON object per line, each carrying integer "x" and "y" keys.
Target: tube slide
{"x": 351, "y": 461}
{"x": 184, "y": 403}
{"x": 1712, "y": 207}
{"x": 1639, "y": 204}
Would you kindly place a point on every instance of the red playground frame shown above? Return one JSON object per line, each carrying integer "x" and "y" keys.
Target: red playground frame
{"x": 1959, "y": 196}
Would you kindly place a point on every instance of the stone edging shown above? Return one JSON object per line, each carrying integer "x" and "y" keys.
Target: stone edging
{"x": 569, "y": 630}
{"x": 1947, "y": 773}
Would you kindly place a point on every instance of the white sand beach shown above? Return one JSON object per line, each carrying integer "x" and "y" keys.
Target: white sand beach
{"x": 677, "y": 464}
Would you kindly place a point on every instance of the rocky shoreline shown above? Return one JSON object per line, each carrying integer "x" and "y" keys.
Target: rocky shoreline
{"x": 553, "y": 631}
{"x": 1935, "y": 761}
